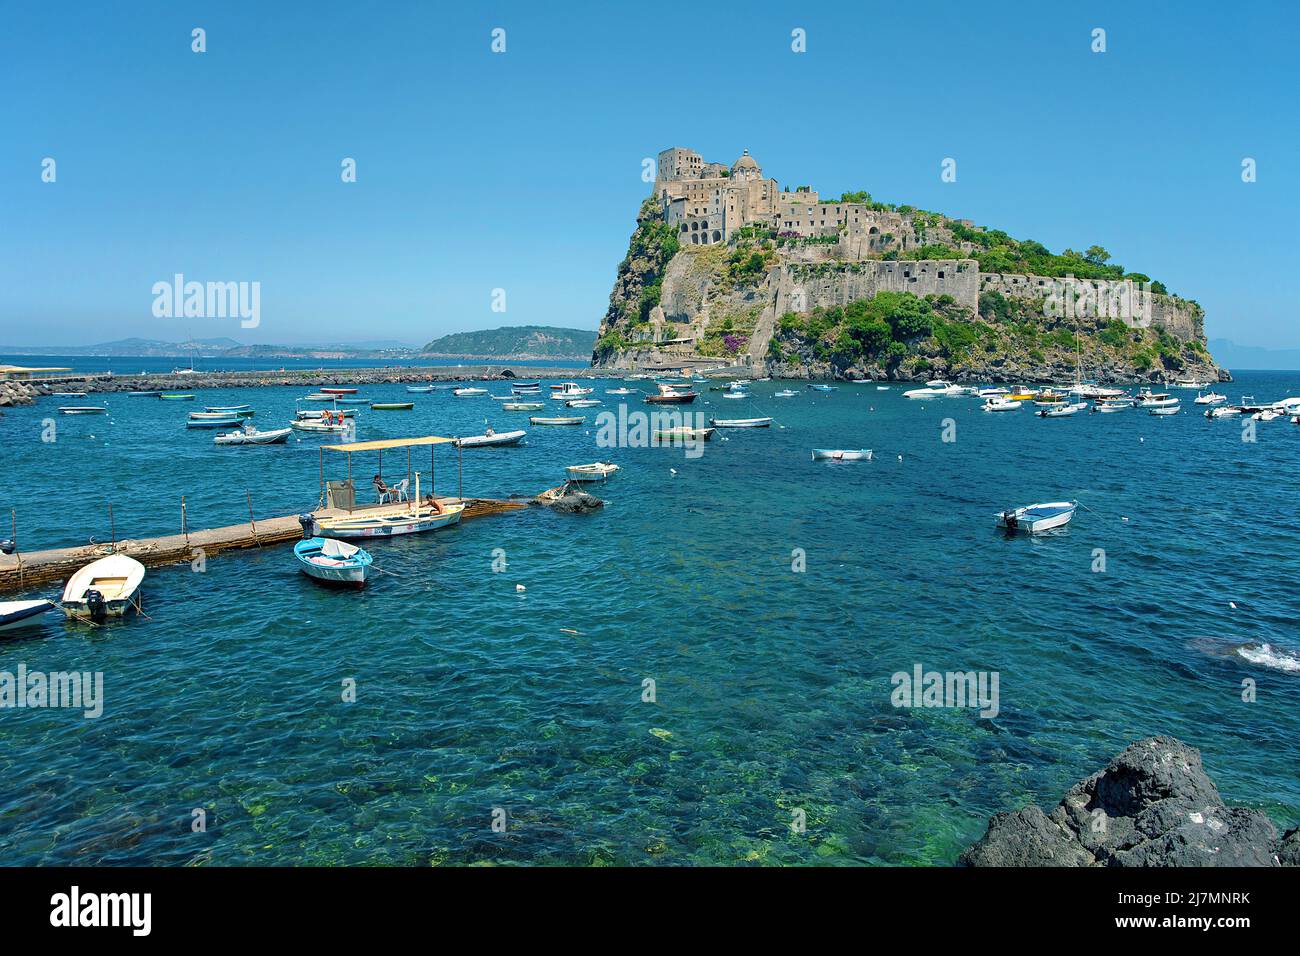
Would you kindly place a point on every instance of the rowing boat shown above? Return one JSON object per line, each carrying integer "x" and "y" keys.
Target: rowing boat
{"x": 16, "y": 615}
{"x": 82, "y": 410}
{"x": 539, "y": 420}
{"x": 582, "y": 403}
{"x": 596, "y": 471}
{"x": 175, "y": 397}
{"x": 339, "y": 391}
{"x": 214, "y": 422}
{"x": 683, "y": 433}
{"x": 331, "y": 561}
{"x": 419, "y": 388}
{"x": 468, "y": 392}
{"x": 1033, "y": 519}
{"x": 740, "y": 422}
{"x": 523, "y": 406}
{"x": 392, "y": 406}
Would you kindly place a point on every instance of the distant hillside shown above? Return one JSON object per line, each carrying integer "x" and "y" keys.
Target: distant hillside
{"x": 133, "y": 346}
{"x": 515, "y": 342}
{"x": 1237, "y": 356}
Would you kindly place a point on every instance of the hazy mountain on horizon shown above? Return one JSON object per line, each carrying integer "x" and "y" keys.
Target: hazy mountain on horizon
{"x": 1245, "y": 357}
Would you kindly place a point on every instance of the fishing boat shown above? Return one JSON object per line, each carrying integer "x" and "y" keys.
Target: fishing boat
{"x": 236, "y": 409}
{"x": 1034, "y": 519}
{"x": 736, "y": 395}
{"x": 540, "y": 420}
{"x": 319, "y": 397}
{"x": 1163, "y": 409}
{"x": 1062, "y": 410}
{"x": 342, "y": 517}
{"x": 1050, "y": 398}
{"x": 322, "y": 426}
{"x": 997, "y": 404}
{"x": 224, "y": 422}
{"x": 740, "y": 422}
{"x": 582, "y": 403}
{"x": 82, "y": 410}
{"x": 145, "y": 393}
{"x": 672, "y": 395}
{"x": 523, "y": 406}
{"x": 841, "y": 454}
{"x": 822, "y": 388}
{"x": 1112, "y": 405}
{"x": 526, "y": 386}
{"x": 19, "y": 615}
{"x": 175, "y": 397}
{"x": 567, "y": 390}
{"x": 1192, "y": 383}
{"x": 468, "y": 392}
{"x": 251, "y": 436}
{"x": 209, "y": 416}
{"x": 683, "y": 433}
{"x": 392, "y": 406}
{"x": 1213, "y": 398}
{"x": 620, "y": 391}
{"x": 785, "y": 393}
{"x": 339, "y": 391}
{"x": 419, "y": 388}
{"x": 490, "y": 437}
{"x": 330, "y": 560}
{"x": 104, "y": 588}
{"x": 596, "y": 471}
{"x": 1021, "y": 394}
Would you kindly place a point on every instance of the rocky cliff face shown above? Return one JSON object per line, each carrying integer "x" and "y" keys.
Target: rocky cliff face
{"x": 1153, "y": 805}
{"x": 728, "y": 303}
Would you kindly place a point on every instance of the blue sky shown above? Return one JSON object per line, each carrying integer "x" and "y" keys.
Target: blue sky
{"x": 521, "y": 170}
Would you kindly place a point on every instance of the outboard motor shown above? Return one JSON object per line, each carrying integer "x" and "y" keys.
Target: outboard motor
{"x": 1009, "y": 521}
{"x": 310, "y": 526}
{"x": 95, "y": 605}
{"x": 8, "y": 546}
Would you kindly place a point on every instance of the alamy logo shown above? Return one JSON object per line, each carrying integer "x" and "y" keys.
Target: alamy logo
{"x": 102, "y": 909}
{"x": 208, "y": 300}
{"x": 78, "y": 690}
{"x": 952, "y": 689}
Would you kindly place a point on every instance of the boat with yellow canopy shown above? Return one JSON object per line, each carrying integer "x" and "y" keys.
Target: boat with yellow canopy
{"x": 403, "y": 507}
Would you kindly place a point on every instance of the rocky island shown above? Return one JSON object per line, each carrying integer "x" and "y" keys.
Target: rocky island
{"x": 725, "y": 268}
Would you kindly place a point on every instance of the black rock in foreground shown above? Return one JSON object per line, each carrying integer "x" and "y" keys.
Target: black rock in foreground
{"x": 1152, "y": 806}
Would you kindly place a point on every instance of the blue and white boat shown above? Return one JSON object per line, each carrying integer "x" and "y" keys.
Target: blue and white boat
{"x": 15, "y": 615}
{"x": 841, "y": 454}
{"x": 226, "y": 422}
{"x": 1033, "y": 519}
{"x": 419, "y": 388}
{"x": 822, "y": 388}
{"x": 331, "y": 561}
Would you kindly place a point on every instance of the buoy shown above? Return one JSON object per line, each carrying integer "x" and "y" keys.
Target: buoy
{"x": 520, "y": 587}
{"x": 1233, "y": 605}
{"x": 674, "y": 471}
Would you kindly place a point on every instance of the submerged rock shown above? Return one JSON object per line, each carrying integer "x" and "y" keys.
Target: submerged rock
{"x": 1153, "y": 805}
{"x": 572, "y": 501}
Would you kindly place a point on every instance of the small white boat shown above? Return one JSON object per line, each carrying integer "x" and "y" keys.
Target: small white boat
{"x": 216, "y": 409}
{"x": 1164, "y": 409}
{"x": 1112, "y": 405}
{"x": 582, "y": 403}
{"x": 419, "y": 389}
{"x": 683, "y": 433}
{"x": 468, "y": 392}
{"x": 523, "y": 406}
{"x": 318, "y": 397}
{"x": 1267, "y": 415}
{"x": 841, "y": 454}
{"x": 823, "y": 388}
{"x": 596, "y": 471}
{"x": 540, "y": 420}
{"x": 567, "y": 390}
{"x": 251, "y": 436}
{"x": 740, "y": 422}
{"x": 935, "y": 389}
{"x": 103, "y": 588}
{"x": 735, "y": 394}
{"x": 19, "y": 615}
{"x": 620, "y": 391}
{"x": 68, "y": 394}
{"x": 1149, "y": 399}
{"x": 326, "y": 413}
{"x": 785, "y": 393}
{"x": 1223, "y": 411}
{"x": 999, "y": 405}
{"x": 82, "y": 410}
{"x": 317, "y": 425}
{"x": 1061, "y": 410}
{"x": 882, "y": 388}
{"x": 490, "y": 437}
{"x": 1033, "y": 519}
{"x": 1213, "y": 398}
{"x": 1192, "y": 383}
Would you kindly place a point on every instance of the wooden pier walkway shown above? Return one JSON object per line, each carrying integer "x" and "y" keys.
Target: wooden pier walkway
{"x": 24, "y": 570}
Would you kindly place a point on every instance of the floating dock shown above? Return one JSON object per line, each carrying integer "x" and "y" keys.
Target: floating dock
{"x": 25, "y": 570}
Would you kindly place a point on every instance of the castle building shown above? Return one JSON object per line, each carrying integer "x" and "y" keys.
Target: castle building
{"x": 707, "y": 202}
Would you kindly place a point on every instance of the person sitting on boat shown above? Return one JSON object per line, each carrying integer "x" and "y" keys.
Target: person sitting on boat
{"x": 435, "y": 504}
{"x": 381, "y": 489}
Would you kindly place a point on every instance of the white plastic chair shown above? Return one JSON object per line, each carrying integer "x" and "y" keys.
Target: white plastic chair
{"x": 398, "y": 492}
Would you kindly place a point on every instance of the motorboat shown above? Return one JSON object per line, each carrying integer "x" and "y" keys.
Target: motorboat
{"x": 822, "y": 388}
{"x": 995, "y": 404}
{"x": 841, "y": 454}
{"x": 1267, "y": 415}
{"x": 468, "y": 392}
{"x": 672, "y": 395}
{"x": 582, "y": 403}
{"x": 21, "y": 615}
{"x": 526, "y": 386}
{"x": 322, "y": 425}
{"x": 1192, "y": 383}
{"x": 567, "y": 390}
{"x": 104, "y": 588}
{"x": 419, "y": 389}
{"x": 82, "y": 410}
{"x": 1222, "y": 411}
{"x": 210, "y": 415}
{"x": 332, "y": 561}
{"x": 1062, "y": 410}
{"x": 145, "y": 393}
{"x": 319, "y": 397}
{"x": 1149, "y": 399}
{"x": 490, "y": 437}
{"x": 251, "y": 436}
{"x": 1111, "y": 405}
{"x": 523, "y": 406}
{"x": 68, "y": 394}
{"x": 620, "y": 391}
{"x": 1213, "y": 398}
{"x": 326, "y": 413}
{"x": 1034, "y": 519}
{"x": 596, "y": 471}
{"x": 740, "y": 422}
{"x": 550, "y": 420}
{"x": 1049, "y": 398}
{"x": 785, "y": 393}
{"x": 735, "y": 395}
{"x": 683, "y": 433}
{"x": 935, "y": 389}
{"x": 1163, "y": 409}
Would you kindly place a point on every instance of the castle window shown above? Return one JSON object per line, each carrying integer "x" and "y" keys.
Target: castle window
{"x": 940, "y": 273}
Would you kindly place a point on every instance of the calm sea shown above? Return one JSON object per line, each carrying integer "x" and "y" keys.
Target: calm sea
{"x": 140, "y": 365}
{"x": 668, "y": 688}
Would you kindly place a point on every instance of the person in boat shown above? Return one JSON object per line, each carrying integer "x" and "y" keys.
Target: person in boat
{"x": 381, "y": 489}
{"x": 434, "y": 503}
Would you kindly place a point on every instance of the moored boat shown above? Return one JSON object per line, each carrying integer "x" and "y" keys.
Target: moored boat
{"x": 785, "y": 393}
{"x": 339, "y": 390}
{"x": 1163, "y": 409}
{"x": 103, "y": 588}
{"x": 145, "y": 393}
{"x": 822, "y": 388}
{"x": 175, "y": 397}
{"x": 523, "y": 406}
{"x": 841, "y": 454}
{"x": 620, "y": 391}
{"x": 740, "y": 422}
{"x": 490, "y": 437}
{"x": 82, "y": 410}
{"x": 237, "y": 409}
{"x": 392, "y": 406}
{"x": 1033, "y": 519}
{"x": 582, "y": 403}
{"x": 331, "y": 427}
{"x": 596, "y": 471}
{"x": 251, "y": 436}
{"x": 331, "y": 561}
{"x": 468, "y": 392}
{"x": 20, "y": 615}
{"x": 1062, "y": 410}
{"x": 226, "y": 421}
{"x": 552, "y": 420}
{"x": 998, "y": 404}
{"x": 1212, "y": 398}
{"x": 419, "y": 388}
{"x": 683, "y": 433}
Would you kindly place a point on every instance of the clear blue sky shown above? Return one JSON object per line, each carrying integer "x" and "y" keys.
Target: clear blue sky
{"x": 522, "y": 170}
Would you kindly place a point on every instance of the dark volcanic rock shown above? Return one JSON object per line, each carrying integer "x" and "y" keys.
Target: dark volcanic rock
{"x": 575, "y": 502}
{"x": 1153, "y": 805}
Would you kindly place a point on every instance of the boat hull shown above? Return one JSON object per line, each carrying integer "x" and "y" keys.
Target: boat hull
{"x": 388, "y": 526}
{"x": 841, "y": 454}
{"x": 345, "y": 572}
{"x": 23, "y": 615}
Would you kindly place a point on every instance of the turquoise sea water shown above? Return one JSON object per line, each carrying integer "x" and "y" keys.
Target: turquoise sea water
{"x": 772, "y": 687}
